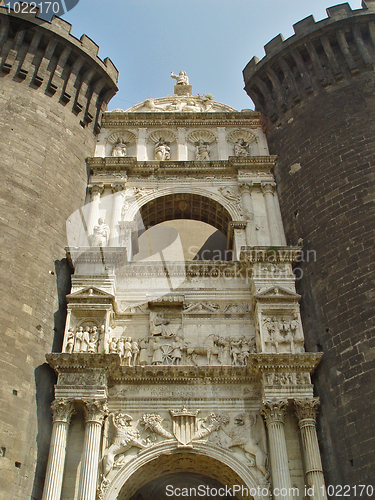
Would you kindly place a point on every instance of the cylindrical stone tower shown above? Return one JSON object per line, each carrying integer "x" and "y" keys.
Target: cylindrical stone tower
{"x": 317, "y": 93}
{"x": 53, "y": 89}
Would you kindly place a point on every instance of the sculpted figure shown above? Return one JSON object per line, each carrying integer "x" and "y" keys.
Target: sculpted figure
{"x": 100, "y": 235}
{"x": 160, "y": 326}
{"x": 235, "y": 350}
{"x": 143, "y": 355}
{"x": 157, "y": 358}
{"x": 119, "y": 149}
{"x": 176, "y": 105}
{"x": 78, "y": 340}
{"x": 93, "y": 340}
{"x": 70, "y": 341}
{"x": 176, "y": 353}
{"x": 202, "y": 151}
{"x": 113, "y": 346}
{"x": 241, "y": 148}
{"x": 122, "y": 437}
{"x": 250, "y": 435}
{"x": 135, "y": 352}
{"x": 162, "y": 150}
{"x": 128, "y": 351}
{"x": 181, "y": 78}
{"x": 85, "y": 339}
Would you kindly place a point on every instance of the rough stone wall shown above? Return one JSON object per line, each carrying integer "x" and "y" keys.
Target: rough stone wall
{"x": 45, "y": 137}
{"x": 316, "y": 91}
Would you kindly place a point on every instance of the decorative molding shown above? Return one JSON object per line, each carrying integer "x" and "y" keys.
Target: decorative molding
{"x": 95, "y": 411}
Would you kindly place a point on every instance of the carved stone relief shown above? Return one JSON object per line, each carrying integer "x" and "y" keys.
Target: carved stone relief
{"x": 283, "y": 334}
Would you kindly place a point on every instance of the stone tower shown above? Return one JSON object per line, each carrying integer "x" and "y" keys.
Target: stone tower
{"x": 173, "y": 370}
{"x": 53, "y": 90}
{"x": 316, "y": 93}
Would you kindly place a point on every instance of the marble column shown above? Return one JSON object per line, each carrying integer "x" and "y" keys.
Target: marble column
{"x": 95, "y": 411}
{"x": 268, "y": 189}
{"x": 117, "y": 202}
{"x": 306, "y": 411}
{"x": 248, "y": 209}
{"x": 62, "y": 411}
{"x": 95, "y": 191}
{"x": 274, "y": 414}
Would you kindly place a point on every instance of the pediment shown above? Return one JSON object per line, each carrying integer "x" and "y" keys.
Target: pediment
{"x": 277, "y": 292}
{"x": 90, "y": 293}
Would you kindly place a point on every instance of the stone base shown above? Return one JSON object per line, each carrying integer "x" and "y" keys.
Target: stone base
{"x": 183, "y": 90}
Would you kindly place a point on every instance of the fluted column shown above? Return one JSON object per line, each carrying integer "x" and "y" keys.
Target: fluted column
{"x": 117, "y": 190}
{"x": 268, "y": 189}
{"x": 247, "y": 203}
{"x": 274, "y": 413}
{"x": 95, "y": 191}
{"x": 95, "y": 412}
{"x": 306, "y": 411}
{"x": 62, "y": 410}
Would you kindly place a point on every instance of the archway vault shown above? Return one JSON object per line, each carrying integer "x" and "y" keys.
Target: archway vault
{"x": 186, "y": 206}
{"x": 167, "y": 458}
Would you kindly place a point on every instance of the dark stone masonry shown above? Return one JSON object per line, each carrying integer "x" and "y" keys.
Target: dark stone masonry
{"x": 53, "y": 89}
{"x": 316, "y": 92}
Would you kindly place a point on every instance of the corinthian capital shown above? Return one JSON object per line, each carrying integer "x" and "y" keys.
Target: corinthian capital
{"x": 306, "y": 408}
{"x": 268, "y": 187}
{"x": 246, "y": 187}
{"x": 95, "y": 411}
{"x": 62, "y": 410}
{"x": 274, "y": 411}
{"x": 96, "y": 189}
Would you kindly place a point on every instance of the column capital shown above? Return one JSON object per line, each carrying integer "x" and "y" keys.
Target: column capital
{"x": 268, "y": 187}
{"x": 116, "y": 188}
{"x": 62, "y": 410}
{"x": 96, "y": 188}
{"x": 95, "y": 411}
{"x": 306, "y": 409}
{"x": 246, "y": 187}
{"x": 274, "y": 411}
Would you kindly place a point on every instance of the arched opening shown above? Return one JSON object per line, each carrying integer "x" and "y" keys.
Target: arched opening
{"x": 200, "y": 222}
{"x": 184, "y": 484}
{"x": 182, "y": 469}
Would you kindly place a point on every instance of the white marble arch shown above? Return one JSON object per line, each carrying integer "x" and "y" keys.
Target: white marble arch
{"x": 123, "y": 478}
{"x": 132, "y": 210}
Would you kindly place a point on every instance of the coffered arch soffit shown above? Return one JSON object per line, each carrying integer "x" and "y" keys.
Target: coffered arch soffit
{"x": 164, "y": 458}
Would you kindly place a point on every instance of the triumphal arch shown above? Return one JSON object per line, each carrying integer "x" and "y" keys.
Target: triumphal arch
{"x": 183, "y": 364}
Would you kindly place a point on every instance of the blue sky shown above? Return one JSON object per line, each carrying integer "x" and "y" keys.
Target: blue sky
{"x": 212, "y": 40}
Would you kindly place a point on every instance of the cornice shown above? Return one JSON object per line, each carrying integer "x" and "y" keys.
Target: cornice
{"x": 130, "y": 166}
{"x": 119, "y": 119}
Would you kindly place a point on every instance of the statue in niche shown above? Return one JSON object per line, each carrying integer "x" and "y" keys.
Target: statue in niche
{"x": 119, "y": 149}
{"x": 93, "y": 340}
{"x": 70, "y": 341}
{"x": 181, "y": 78}
{"x": 78, "y": 339}
{"x": 85, "y": 339}
{"x": 143, "y": 353}
{"x": 162, "y": 150}
{"x": 202, "y": 151}
{"x": 241, "y": 148}
{"x": 249, "y": 434}
{"x": 100, "y": 235}
{"x": 122, "y": 437}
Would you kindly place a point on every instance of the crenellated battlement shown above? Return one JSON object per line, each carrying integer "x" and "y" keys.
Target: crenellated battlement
{"x": 45, "y": 55}
{"x": 318, "y": 56}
